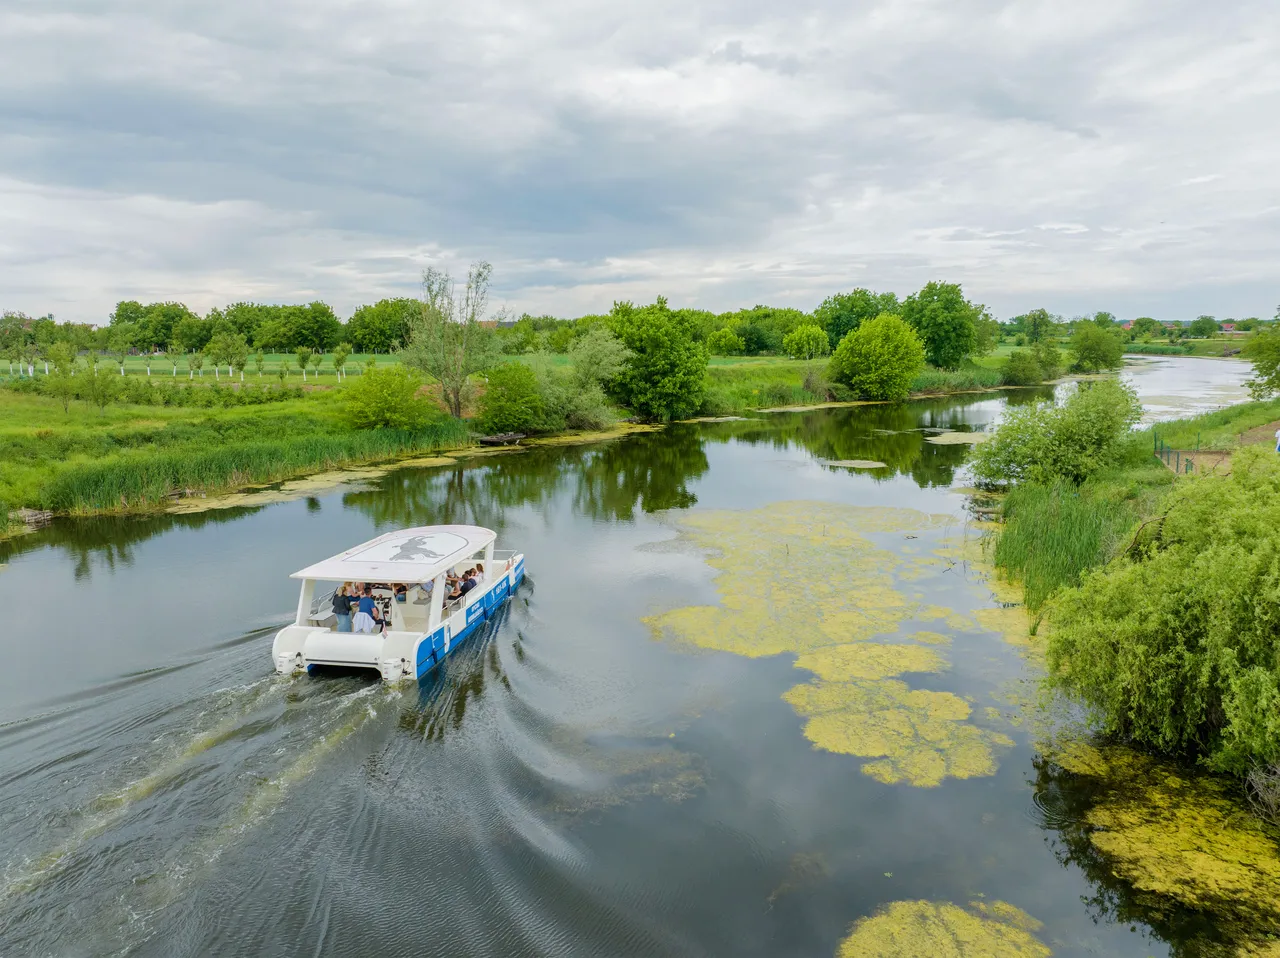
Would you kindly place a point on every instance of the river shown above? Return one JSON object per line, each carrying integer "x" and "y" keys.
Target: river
{"x": 634, "y": 759}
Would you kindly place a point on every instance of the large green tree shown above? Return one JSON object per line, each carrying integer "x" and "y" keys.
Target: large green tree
{"x": 879, "y": 359}
{"x": 382, "y": 326}
{"x": 1037, "y": 325}
{"x": 945, "y": 321}
{"x": 665, "y": 375}
{"x": 1202, "y": 327}
{"x": 844, "y": 312}
{"x": 1095, "y": 348}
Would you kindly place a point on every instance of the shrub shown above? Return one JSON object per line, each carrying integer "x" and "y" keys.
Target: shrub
{"x": 587, "y": 407}
{"x": 666, "y": 371}
{"x": 1048, "y": 358}
{"x": 386, "y": 398}
{"x": 725, "y": 342}
{"x": 879, "y": 359}
{"x": 806, "y": 342}
{"x": 1174, "y": 647}
{"x": 1041, "y": 442}
{"x": 512, "y": 401}
{"x": 1021, "y": 369}
{"x": 1095, "y": 348}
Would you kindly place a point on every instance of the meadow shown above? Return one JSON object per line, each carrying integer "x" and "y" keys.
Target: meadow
{"x": 134, "y": 458}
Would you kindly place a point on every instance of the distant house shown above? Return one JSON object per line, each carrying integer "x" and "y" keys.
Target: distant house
{"x": 1128, "y": 325}
{"x": 1228, "y": 327}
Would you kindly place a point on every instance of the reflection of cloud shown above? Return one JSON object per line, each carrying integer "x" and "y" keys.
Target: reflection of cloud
{"x": 721, "y": 154}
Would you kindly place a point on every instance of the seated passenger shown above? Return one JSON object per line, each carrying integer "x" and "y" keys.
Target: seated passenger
{"x": 468, "y": 583}
{"x": 401, "y": 592}
{"x": 479, "y": 572}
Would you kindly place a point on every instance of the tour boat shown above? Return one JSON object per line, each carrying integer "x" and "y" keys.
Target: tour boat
{"x": 422, "y": 623}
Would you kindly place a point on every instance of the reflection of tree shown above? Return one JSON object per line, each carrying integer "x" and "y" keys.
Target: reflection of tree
{"x": 650, "y": 470}
{"x": 611, "y": 479}
{"x": 1065, "y": 800}
{"x": 890, "y": 433}
{"x": 110, "y": 539}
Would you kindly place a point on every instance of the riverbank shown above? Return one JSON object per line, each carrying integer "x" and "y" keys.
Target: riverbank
{"x": 137, "y": 460}
{"x": 1053, "y": 534}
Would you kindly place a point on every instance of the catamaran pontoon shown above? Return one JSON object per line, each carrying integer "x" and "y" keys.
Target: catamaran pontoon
{"x": 422, "y": 625}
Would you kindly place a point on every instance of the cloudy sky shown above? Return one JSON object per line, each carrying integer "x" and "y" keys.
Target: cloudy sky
{"x": 1120, "y": 155}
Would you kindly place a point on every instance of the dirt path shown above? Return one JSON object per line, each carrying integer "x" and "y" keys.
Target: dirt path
{"x": 1217, "y": 461}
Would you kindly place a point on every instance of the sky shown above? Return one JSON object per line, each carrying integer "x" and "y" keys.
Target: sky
{"x": 1120, "y": 155}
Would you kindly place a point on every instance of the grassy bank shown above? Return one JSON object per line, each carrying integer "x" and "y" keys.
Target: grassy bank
{"x": 133, "y": 458}
{"x": 1052, "y": 534}
{"x": 741, "y": 384}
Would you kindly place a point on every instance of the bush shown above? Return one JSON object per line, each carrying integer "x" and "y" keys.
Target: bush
{"x": 386, "y": 398}
{"x": 1174, "y": 647}
{"x": 666, "y": 371}
{"x": 1021, "y": 369}
{"x": 1042, "y": 442}
{"x": 725, "y": 342}
{"x": 1095, "y": 348}
{"x": 1049, "y": 358}
{"x": 879, "y": 359}
{"x": 587, "y": 407}
{"x": 512, "y": 401}
{"x": 806, "y": 342}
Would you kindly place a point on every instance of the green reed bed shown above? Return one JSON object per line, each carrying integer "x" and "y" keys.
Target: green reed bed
{"x": 1053, "y": 533}
{"x": 929, "y": 381}
{"x": 138, "y": 481}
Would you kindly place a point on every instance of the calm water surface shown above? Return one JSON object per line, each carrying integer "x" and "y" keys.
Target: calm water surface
{"x": 567, "y": 784}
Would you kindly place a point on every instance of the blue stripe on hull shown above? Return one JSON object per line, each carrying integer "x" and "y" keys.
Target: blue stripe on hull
{"x": 431, "y": 652}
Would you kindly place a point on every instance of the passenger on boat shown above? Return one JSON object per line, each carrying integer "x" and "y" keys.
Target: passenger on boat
{"x": 401, "y": 592}
{"x": 479, "y": 572}
{"x": 367, "y": 618}
{"x": 468, "y": 582}
{"x": 342, "y": 602}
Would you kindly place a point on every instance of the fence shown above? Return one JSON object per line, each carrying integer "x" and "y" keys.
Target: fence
{"x": 1171, "y": 457}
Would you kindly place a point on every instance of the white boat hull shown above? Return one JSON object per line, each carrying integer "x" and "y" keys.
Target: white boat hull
{"x": 395, "y": 654}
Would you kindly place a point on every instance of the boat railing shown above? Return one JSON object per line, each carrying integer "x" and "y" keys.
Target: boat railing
{"x": 502, "y": 555}
{"x": 322, "y": 602}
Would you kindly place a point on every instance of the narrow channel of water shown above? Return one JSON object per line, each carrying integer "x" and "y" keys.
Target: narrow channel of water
{"x": 617, "y": 766}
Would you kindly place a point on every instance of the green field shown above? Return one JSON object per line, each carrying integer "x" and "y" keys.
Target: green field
{"x": 163, "y": 368}
{"x": 131, "y": 458}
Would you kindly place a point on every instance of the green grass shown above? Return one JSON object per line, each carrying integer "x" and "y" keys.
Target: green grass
{"x": 81, "y": 461}
{"x": 161, "y": 368}
{"x": 1052, "y": 534}
{"x": 1218, "y": 430}
{"x": 933, "y": 381}
{"x": 140, "y": 480}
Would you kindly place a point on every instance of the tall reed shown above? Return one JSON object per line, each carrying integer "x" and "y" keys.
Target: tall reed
{"x": 1052, "y": 534}
{"x": 140, "y": 480}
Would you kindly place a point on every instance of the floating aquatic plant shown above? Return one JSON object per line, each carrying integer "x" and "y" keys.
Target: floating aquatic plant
{"x": 806, "y": 578}
{"x": 913, "y": 929}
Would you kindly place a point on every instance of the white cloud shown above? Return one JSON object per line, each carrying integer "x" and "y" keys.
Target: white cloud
{"x": 1096, "y": 155}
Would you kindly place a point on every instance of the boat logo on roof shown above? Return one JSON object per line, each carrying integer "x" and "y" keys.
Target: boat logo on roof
{"x": 428, "y": 548}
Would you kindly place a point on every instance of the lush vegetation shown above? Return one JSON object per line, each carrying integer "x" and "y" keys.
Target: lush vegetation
{"x": 879, "y": 359}
{"x": 1172, "y": 644}
{"x": 1044, "y": 442}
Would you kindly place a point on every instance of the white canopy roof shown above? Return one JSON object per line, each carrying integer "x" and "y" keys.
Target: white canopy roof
{"x": 409, "y": 555}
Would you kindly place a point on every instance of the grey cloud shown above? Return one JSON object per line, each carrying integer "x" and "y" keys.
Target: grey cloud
{"x": 719, "y": 153}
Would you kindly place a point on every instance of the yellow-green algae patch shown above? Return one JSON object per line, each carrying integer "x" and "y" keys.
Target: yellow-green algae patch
{"x": 918, "y": 736}
{"x": 805, "y": 578}
{"x": 868, "y": 660}
{"x": 1182, "y": 838}
{"x": 916, "y": 929}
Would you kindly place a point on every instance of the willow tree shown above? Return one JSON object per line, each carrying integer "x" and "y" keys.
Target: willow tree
{"x": 445, "y": 339}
